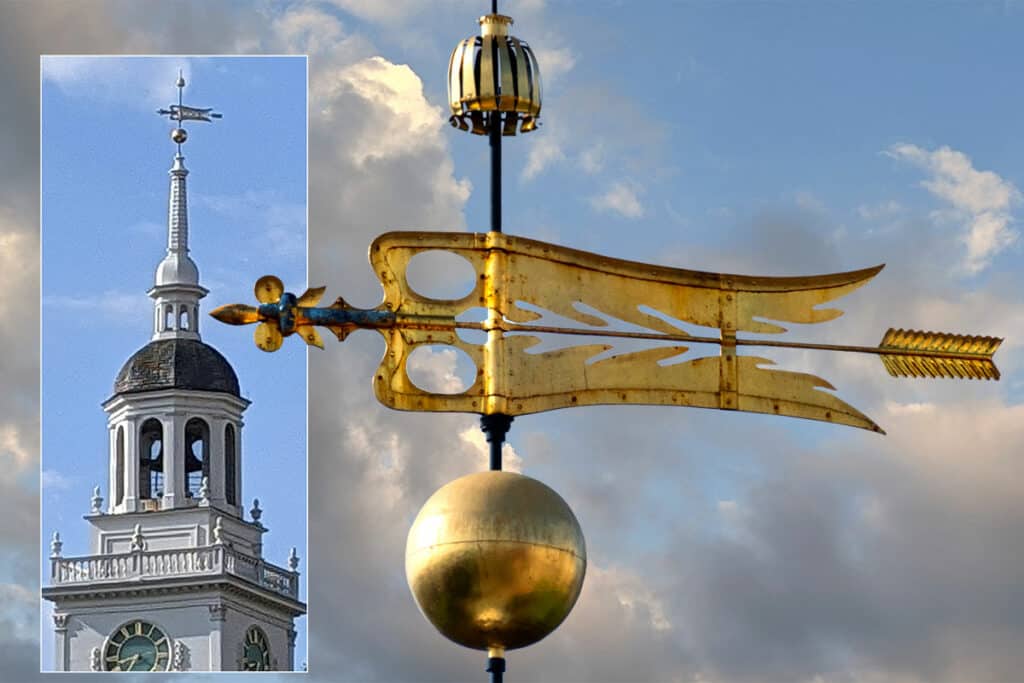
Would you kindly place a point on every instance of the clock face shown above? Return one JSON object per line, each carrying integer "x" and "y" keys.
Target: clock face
{"x": 255, "y": 651}
{"x": 137, "y": 646}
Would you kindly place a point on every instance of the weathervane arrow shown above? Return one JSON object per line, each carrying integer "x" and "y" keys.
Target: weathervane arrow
{"x": 653, "y": 300}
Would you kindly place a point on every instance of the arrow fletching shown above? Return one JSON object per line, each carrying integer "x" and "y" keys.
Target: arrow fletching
{"x": 938, "y": 354}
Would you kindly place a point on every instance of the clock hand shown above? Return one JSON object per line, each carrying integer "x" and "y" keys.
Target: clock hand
{"x": 134, "y": 658}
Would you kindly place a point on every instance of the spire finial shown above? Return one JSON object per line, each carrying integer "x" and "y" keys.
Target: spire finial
{"x": 56, "y": 544}
{"x": 177, "y": 291}
{"x": 181, "y": 113}
{"x": 97, "y": 501}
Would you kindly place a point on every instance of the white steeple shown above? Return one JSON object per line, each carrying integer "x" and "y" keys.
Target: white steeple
{"x": 176, "y": 291}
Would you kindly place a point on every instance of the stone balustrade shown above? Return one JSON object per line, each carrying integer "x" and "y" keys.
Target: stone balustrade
{"x": 150, "y": 564}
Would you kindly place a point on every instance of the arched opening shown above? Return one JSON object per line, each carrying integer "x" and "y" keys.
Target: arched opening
{"x": 183, "y": 319}
{"x": 119, "y": 467}
{"x": 229, "y": 465}
{"x": 151, "y": 459}
{"x": 168, "y": 317}
{"x": 197, "y": 455}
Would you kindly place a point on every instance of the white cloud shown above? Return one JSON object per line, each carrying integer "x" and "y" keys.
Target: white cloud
{"x": 283, "y": 224}
{"x": 54, "y": 480}
{"x": 981, "y": 199}
{"x": 475, "y": 439}
{"x": 541, "y": 155}
{"x": 555, "y": 62}
{"x": 633, "y": 594}
{"x": 882, "y": 210}
{"x": 113, "y": 305}
{"x": 620, "y": 198}
{"x": 309, "y": 30}
{"x": 16, "y": 456}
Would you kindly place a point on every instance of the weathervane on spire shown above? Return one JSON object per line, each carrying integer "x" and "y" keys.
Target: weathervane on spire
{"x": 181, "y": 113}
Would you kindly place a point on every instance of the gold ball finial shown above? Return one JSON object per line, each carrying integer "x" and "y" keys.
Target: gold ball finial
{"x": 179, "y": 135}
{"x": 494, "y": 74}
{"x": 495, "y": 560}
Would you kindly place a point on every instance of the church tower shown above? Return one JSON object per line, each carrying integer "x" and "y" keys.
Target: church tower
{"x": 176, "y": 579}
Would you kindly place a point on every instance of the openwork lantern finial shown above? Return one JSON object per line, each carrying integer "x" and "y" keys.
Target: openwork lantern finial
{"x": 494, "y": 74}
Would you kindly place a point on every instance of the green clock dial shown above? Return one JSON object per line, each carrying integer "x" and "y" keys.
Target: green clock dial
{"x": 255, "y": 651}
{"x": 137, "y": 646}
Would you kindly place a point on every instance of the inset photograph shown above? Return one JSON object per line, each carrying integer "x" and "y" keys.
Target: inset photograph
{"x": 166, "y": 184}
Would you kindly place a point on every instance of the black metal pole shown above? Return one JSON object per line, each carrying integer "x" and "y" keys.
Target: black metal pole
{"x": 496, "y": 666}
{"x": 496, "y": 426}
{"x": 495, "y": 139}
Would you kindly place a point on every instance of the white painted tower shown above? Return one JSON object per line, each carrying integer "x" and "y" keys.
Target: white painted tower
{"x": 176, "y": 578}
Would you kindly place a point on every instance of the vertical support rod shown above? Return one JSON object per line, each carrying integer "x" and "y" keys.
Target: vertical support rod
{"x": 495, "y": 426}
{"x": 495, "y": 140}
{"x": 496, "y": 667}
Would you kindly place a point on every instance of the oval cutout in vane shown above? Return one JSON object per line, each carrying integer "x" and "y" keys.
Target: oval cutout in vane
{"x": 440, "y": 274}
{"x": 441, "y": 369}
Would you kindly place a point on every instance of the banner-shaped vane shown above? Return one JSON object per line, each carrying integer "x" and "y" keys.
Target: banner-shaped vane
{"x": 515, "y": 276}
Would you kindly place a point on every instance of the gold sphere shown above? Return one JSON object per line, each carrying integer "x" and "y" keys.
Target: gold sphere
{"x": 495, "y": 560}
{"x": 179, "y": 135}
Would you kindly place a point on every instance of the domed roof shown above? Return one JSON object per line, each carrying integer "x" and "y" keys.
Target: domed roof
{"x": 177, "y": 364}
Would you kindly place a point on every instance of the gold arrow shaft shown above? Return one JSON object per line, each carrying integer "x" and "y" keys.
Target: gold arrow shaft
{"x": 516, "y": 327}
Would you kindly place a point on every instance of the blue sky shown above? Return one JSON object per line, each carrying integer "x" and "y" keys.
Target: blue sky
{"x": 105, "y": 156}
{"x": 778, "y": 138}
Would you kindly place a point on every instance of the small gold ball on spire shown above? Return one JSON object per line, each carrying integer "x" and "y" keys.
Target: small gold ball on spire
{"x": 495, "y": 560}
{"x": 179, "y": 135}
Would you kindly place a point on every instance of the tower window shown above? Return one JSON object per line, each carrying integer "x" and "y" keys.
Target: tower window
{"x": 229, "y": 465}
{"x": 183, "y": 319}
{"x": 151, "y": 459}
{"x": 168, "y": 318}
{"x": 197, "y": 455}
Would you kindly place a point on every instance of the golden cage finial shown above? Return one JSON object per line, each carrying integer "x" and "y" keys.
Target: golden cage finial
{"x": 494, "y": 73}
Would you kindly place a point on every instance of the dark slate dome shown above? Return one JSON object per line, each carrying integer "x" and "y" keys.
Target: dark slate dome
{"x": 177, "y": 364}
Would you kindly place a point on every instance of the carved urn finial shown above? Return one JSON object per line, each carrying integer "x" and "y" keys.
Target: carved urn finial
{"x": 256, "y": 512}
{"x": 138, "y": 543}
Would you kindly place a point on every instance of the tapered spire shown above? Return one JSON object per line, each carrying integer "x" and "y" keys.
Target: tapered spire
{"x": 176, "y": 291}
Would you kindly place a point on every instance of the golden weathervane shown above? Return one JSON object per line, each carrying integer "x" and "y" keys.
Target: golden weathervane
{"x": 513, "y": 271}
{"x": 496, "y": 560}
